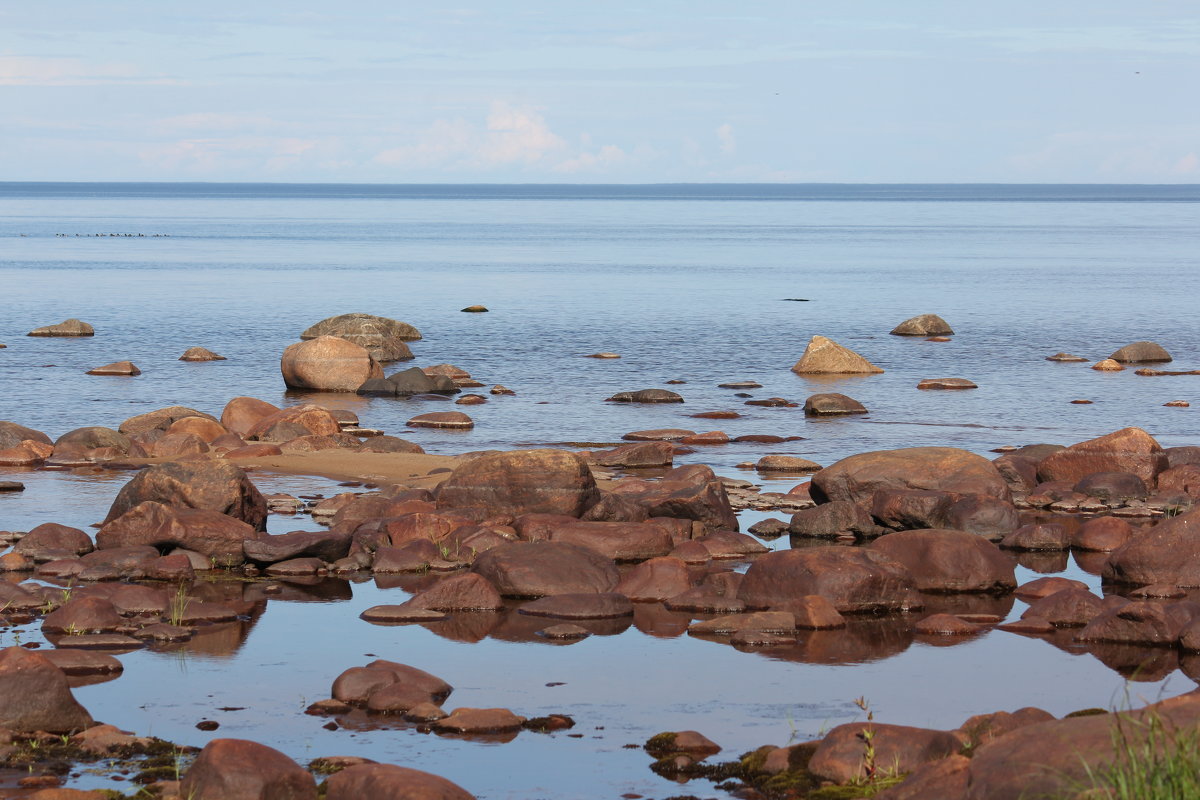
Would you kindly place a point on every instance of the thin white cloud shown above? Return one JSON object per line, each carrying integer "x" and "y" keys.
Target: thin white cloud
{"x": 606, "y": 157}
{"x": 35, "y": 71}
{"x": 726, "y": 139}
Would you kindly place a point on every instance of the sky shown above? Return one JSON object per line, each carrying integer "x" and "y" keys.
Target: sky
{"x": 564, "y": 91}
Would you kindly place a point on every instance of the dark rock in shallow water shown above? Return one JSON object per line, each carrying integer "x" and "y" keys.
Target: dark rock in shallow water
{"x": 647, "y": 396}
{"x": 923, "y": 325}
{"x": 1140, "y": 352}
{"x": 832, "y": 404}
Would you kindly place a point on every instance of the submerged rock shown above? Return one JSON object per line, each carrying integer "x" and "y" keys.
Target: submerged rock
{"x": 70, "y": 327}
{"x": 832, "y": 404}
{"x": 923, "y": 325}
{"x": 34, "y": 695}
{"x": 647, "y": 396}
{"x": 200, "y": 354}
{"x": 117, "y": 368}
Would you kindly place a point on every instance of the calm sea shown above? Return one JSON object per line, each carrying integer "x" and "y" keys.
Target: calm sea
{"x": 687, "y": 282}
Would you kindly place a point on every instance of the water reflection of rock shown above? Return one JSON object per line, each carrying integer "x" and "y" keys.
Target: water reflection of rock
{"x": 655, "y": 619}
{"x": 863, "y": 640}
{"x": 514, "y": 627}
{"x": 1089, "y": 561}
{"x": 302, "y": 590}
{"x": 1142, "y": 664}
{"x": 1045, "y": 562}
{"x": 996, "y": 605}
{"x": 412, "y": 582}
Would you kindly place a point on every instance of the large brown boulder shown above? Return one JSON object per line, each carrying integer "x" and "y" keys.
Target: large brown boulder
{"x": 34, "y": 695}
{"x": 854, "y": 580}
{"x": 159, "y": 420}
{"x": 214, "y": 485}
{"x": 1059, "y": 758}
{"x": 218, "y": 537}
{"x": 357, "y": 684}
{"x": 1127, "y": 450}
{"x": 91, "y": 442}
{"x": 898, "y": 749}
{"x": 243, "y": 413}
{"x": 1141, "y": 352}
{"x": 620, "y": 541}
{"x": 950, "y": 561}
{"x": 328, "y": 364}
{"x": 943, "y": 469}
{"x": 522, "y": 482}
{"x": 292, "y": 423}
{"x": 50, "y": 540}
{"x": 827, "y": 357}
{"x": 537, "y": 569}
{"x": 325, "y": 545}
{"x": 12, "y": 434}
{"x": 383, "y": 338}
{"x": 1167, "y": 553}
{"x": 389, "y": 782}
{"x": 237, "y": 769}
{"x": 692, "y": 492}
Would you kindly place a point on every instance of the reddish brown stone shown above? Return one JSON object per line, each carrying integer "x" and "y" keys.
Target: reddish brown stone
{"x": 214, "y": 535}
{"x": 51, "y": 540}
{"x": 1044, "y": 536}
{"x": 211, "y": 485}
{"x": 477, "y": 721}
{"x": 356, "y": 684}
{"x": 242, "y": 414}
{"x": 522, "y": 482}
{"x": 389, "y": 782}
{"x": 442, "y": 419}
{"x": 328, "y": 363}
{"x": 1102, "y": 534}
{"x": 34, "y": 695}
{"x": 236, "y": 769}
{"x": 691, "y": 492}
{"x": 945, "y": 469}
{"x": 467, "y": 592}
{"x": 537, "y": 569}
{"x": 1169, "y": 552}
{"x": 656, "y": 579}
{"x": 635, "y": 456}
{"x": 591, "y": 605}
{"x": 854, "y": 580}
{"x": 1127, "y": 450}
{"x": 945, "y": 625}
{"x": 839, "y": 756}
{"x": 950, "y": 561}
{"x": 1067, "y": 608}
{"x": 294, "y": 422}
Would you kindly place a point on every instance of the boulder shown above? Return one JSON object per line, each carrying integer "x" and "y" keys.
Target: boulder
{"x": 34, "y": 695}
{"x": 91, "y": 442}
{"x": 70, "y": 327}
{"x": 292, "y": 423}
{"x": 989, "y": 517}
{"x": 241, "y": 414}
{"x": 950, "y": 561}
{"x": 200, "y": 354}
{"x": 655, "y": 580}
{"x": 923, "y": 325}
{"x": 908, "y": 509}
{"x": 237, "y": 769}
{"x": 467, "y": 592}
{"x": 81, "y": 615}
{"x": 827, "y": 357}
{"x": 329, "y": 364}
{"x": 647, "y": 396}
{"x": 1127, "y": 450}
{"x": 636, "y": 456}
{"x": 389, "y": 444}
{"x": 207, "y": 428}
{"x": 12, "y": 434}
{"x": 537, "y": 569}
{"x": 521, "y": 482}
{"x": 51, "y": 540}
{"x": 159, "y": 420}
{"x": 620, "y": 541}
{"x": 479, "y": 722}
{"x": 1114, "y": 486}
{"x": 831, "y": 405}
{"x": 1043, "y": 536}
{"x": 1068, "y": 608}
{"x": 1142, "y": 622}
{"x": 383, "y": 338}
{"x": 217, "y": 537}
{"x": 898, "y": 748}
{"x": 854, "y": 580}
{"x": 692, "y": 492}
{"x": 1101, "y": 534}
{"x": 588, "y": 605}
{"x": 1167, "y": 553}
{"x": 117, "y": 368}
{"x": 390, "y": 782}
{"x": 325, "y": 545}
{"x": 1107, "y": 365}
{"x": 212, "y": 485}
{"x": 1141, "y": 352}
{"x": 659, "y": 435}
{"x": 357, "y": 684}
{"x": 782, "y": 463}
{"x": 944, "y": 469}
{"x": 831, "y": 520}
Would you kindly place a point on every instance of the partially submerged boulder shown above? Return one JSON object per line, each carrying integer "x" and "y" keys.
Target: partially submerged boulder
{"x": 1141, "y": 352}
{"x": 537, "y": 569}
{"x": 522, "y": 482}
{"x": 34, "y": 695}
{"x": 947, "y": 469}
{"x": 383, "y": 338}
{"x": 832, "y": 404}
{"x": 826, "y": 357}
{"x": 329, "y": 364}
{"x": 950, "y": 561}
{"x": 237, "y": 769}
{"x": 854, "y": 580}
{"x": 923, "y": 325}
{"x": 1167, "y": 553}
{"x": 70, "y": 327}
{"x": 1127, "y": 450}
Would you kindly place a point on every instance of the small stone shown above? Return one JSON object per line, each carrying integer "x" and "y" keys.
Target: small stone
{"x": 499, "y": 389}
{"x": 938, "y": 339}
{"x": 471, "y": 400}
{"x": 832, "y": 404}
{"x": 207, "y": 725}
{"x": 70, "y": 327}
{"x": 475, "y": 309}
{"x": 1066, "y": 357}
{"x": 740, "y": 385}
{"x": 1081, "y": 402}
{"x": 945, "y": 625}
{"x": 1107, "y": 365}
{"x": 773, "y": 402}
{"x": 778, "y": 463}
{"x": 11, "y": 486}
{"x": 603, "y": 355}
{"x": 565, "y": 631}
{"x": 923, "y": 325}
{"x": 1178, "y": 404}
{"x": 646, "y": 396}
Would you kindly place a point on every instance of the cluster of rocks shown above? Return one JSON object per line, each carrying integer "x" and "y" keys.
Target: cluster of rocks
{"x": 997, "y": 756}
{"x": 41, "y": 722}
{"x": 247, "y": 428}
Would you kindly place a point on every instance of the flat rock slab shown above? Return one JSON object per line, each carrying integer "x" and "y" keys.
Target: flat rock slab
{"x": 397, "y": 614}
{"x": 119, "y": 368}
{"x": 467, "y": 721}
{"x": 99, "y": 641}
{"x": 605, "y": 605}
{"x": 946, "y": 383}
{"x": 442, "y": 419}
{"x": 646, "y": 396}
{"x": 70, "y": 327}
{"x": 565, "y": 632}
{"x": 1067, "y": 358}
{"x": 73, "y": 661}
{"x": 11, "y": 486}
{"x": 740, "y": 385}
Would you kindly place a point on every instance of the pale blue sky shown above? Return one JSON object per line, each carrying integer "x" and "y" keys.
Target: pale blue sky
{"x": 581, "y": 92}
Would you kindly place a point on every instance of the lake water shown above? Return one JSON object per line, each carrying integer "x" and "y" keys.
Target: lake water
{"x": 693, "y": 283}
